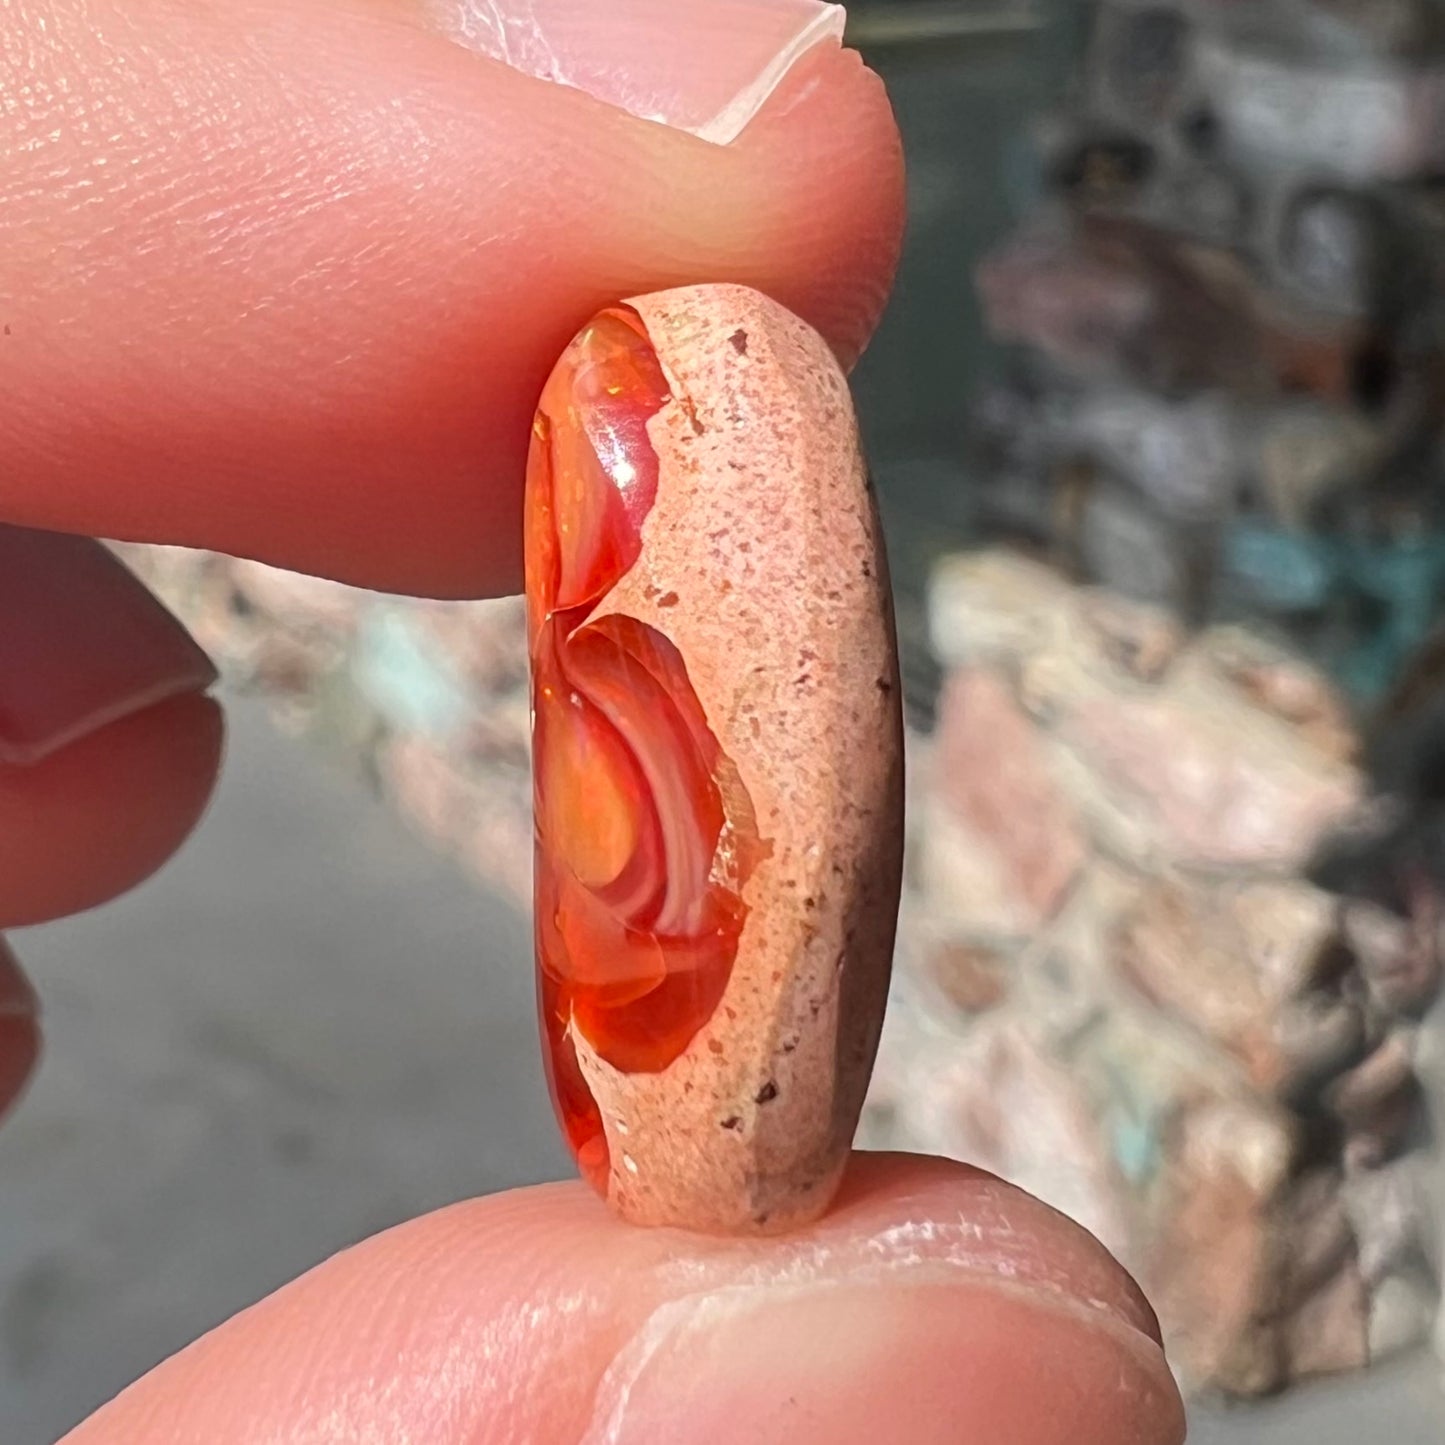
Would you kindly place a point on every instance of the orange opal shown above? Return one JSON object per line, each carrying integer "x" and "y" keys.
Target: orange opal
{"x": 716, "y": 759}
{"x": 640, "y": 853}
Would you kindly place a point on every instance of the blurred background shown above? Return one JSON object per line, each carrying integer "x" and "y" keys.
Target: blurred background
{"x": 1156, "y": 423}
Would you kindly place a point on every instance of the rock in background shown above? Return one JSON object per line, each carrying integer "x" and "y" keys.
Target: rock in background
{"x": 1122, "y": 985}
{"x": 427, "y": 701}
{"x": 1178, "y": 844}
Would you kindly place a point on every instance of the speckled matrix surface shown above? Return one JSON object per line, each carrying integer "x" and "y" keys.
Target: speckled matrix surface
{"x": 762, "y": 561}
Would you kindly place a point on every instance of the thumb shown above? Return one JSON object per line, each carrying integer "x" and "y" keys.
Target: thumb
{"x": 284, "y": 278}
{"x": 935, "y": 1304}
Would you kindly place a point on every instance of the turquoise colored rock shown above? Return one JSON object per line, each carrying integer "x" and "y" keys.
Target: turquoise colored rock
{"x": 406, "y": 678}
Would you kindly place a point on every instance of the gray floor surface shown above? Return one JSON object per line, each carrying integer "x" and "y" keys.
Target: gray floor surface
{"x": 307, "y": 1029}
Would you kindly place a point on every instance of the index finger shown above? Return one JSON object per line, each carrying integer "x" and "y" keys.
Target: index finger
{"x": 284, "y": 280}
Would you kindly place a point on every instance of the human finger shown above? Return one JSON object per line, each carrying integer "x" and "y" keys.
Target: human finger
{"x": 284, "y": 279}
{"x": 108, "y": 745}
{"x": 934, "y": 1304}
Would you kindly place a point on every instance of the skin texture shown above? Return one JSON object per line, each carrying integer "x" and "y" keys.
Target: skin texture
{"x": 310, "y": 352}
{"x": 294, "y": 282}
{"x": 933, "y": 1305}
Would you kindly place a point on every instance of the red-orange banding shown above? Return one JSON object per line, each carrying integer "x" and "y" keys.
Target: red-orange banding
{"x": 716, "y": 759}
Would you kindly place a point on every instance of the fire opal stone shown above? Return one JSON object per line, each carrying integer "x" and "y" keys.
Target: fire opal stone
{"x": 716, "y": 760}
{"x": 644, "y": 835}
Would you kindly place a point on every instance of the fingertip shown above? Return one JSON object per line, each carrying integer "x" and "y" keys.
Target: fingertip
{"x": 333, "y": 369}
{"x": 936, "y": 1300}
{"x": 966, "y": 1215}
{"x": 82, "y": 644}
{"x": 815, "y": 199}
{"x": 90, "y": 821}
{"x": 869, "y": 205}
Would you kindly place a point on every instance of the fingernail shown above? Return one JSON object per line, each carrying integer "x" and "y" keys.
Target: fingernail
{"x": 704, "y": 66}
{"x": 924, "y": 1360}
{"x": 935, "y": 1303}
{"x": 82, "y": 644}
